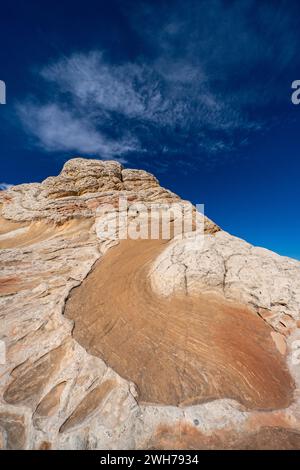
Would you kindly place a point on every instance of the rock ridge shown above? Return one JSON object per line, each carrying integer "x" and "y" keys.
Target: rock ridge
{"x": 57, "y": 395}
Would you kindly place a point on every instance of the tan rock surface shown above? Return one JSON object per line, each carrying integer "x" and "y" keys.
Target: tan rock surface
{"x": 181, "y": 350}
{"x": 57, "y": 391}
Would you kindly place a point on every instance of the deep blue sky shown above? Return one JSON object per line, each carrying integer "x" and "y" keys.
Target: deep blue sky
{"x": 197, "y": 92}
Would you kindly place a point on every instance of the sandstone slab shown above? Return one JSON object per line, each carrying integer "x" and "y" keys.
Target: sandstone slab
{"x": 223, "y": 311}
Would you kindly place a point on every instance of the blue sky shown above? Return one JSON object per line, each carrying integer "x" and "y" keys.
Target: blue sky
{"x": 197, "y": 92}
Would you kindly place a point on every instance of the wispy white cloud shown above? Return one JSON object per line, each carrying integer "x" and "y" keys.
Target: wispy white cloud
{"x": 58, "y": 129}
{"x": 97, "y": 99}
{"x": 197, "y": 93}
{"x": 165, "y": 93}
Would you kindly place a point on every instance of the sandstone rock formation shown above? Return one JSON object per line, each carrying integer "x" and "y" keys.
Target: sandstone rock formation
{"x": 126, "y": 344}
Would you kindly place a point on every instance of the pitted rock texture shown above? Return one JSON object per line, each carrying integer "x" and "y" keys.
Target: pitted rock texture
{"x": 60, "y": 391}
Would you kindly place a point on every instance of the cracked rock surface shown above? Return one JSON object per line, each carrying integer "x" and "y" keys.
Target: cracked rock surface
{"x": 194, "y": 345}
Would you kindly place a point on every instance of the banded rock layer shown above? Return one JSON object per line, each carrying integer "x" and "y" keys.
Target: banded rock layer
{"x": 139, "y": 343}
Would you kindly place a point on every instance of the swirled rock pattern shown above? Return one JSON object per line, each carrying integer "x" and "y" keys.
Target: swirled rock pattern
{"x": 210, "y": 330}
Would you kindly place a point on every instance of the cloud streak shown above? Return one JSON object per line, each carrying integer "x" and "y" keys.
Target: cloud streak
{"x": 59, "y": 129}
{"x": 196, "y": 94}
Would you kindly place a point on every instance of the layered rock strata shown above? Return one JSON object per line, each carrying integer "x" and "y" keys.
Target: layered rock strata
{"x": 115, "y": 344}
